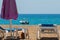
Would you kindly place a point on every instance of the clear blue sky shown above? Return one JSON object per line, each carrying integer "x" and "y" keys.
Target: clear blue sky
{"x": 37, "y": 6}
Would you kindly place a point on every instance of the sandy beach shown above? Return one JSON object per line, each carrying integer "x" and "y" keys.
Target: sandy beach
{"x": 33, "y": 29}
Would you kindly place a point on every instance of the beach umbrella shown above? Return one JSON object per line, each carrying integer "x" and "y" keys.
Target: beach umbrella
{"x": 9, "y": 11}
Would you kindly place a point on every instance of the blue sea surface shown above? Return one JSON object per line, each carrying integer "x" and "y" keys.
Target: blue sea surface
{"x": 35, "y": 19}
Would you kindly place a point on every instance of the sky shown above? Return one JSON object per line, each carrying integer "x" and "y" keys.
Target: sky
{"x": 37, "y": 6}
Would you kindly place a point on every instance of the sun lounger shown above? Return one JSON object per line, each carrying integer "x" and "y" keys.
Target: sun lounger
{"x": 48, "y": 30}
{"x": 19, "y": 33}
{"x": 8, "y": 35}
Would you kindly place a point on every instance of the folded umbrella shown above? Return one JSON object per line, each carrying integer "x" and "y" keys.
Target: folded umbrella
{"x": 9, "y": 11}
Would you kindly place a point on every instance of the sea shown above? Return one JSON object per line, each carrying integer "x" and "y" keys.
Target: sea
{"x": 34, "y": 19}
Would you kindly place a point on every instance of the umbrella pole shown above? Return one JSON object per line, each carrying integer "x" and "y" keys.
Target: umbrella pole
{"x": 16, "y": 32}
{"x": 11, "y": 26}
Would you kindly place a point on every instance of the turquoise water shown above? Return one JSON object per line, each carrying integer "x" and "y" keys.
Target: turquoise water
{"x": 35, "y": 19}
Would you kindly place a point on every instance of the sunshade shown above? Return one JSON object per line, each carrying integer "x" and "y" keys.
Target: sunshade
{"x": 9, "y": 11}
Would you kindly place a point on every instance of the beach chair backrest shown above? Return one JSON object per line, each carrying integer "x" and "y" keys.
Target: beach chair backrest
{"x": 48, "y": 31}
{"x": 48, "y": 28}
{"x": 51, "y": 25}
{"x": 47, "y": 25}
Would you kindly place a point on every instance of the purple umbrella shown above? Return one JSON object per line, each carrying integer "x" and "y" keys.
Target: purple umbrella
{"x": 9, "y": 10}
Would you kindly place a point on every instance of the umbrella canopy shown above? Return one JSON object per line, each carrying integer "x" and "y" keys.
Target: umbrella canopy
{"x": 9, "y": 10}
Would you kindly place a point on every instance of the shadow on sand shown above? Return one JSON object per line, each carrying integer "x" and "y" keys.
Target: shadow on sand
{"x": 51, "y": 38}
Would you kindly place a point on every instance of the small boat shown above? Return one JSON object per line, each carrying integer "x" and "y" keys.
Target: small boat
{"x": 24, "y": 22}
